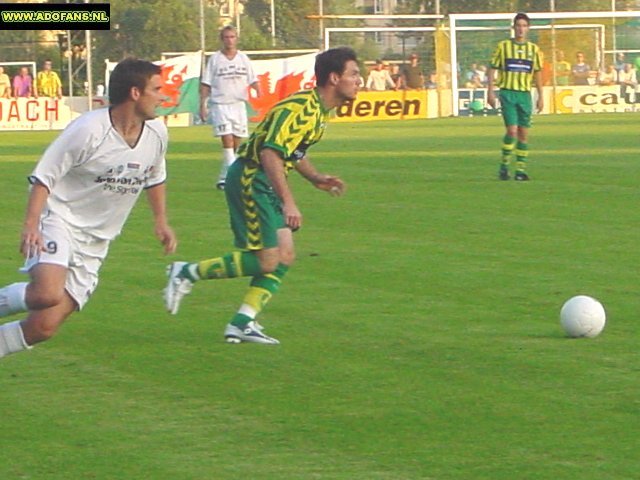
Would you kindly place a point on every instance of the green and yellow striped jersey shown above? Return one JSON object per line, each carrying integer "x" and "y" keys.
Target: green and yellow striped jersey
{"x": 290, "y": 128}
{"x": 516, "y": 64}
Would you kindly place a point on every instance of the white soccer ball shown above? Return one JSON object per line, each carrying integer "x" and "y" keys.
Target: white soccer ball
{"x": 582, "y": 316}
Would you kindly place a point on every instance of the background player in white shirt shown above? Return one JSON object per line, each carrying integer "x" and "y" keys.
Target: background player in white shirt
{"x": 82, "y": 191}
{"x": 225, "y": 85}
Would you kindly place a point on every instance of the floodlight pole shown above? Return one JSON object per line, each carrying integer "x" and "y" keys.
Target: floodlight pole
{"x": 69, "y": 63}
{"x": 273, "y": 23}
{"x": 202, "y": 36}
{"x": 87, "y": 37}
{"x": 321, "y": 22}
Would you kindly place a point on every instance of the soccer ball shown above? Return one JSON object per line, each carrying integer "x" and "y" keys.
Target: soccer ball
{"x": 582, "y": 316}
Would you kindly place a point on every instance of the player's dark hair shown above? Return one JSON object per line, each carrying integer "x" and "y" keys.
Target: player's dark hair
{"x": 332, "y": 61}
{"x": 130, "y": 73}
{"x": 522, "y": 16}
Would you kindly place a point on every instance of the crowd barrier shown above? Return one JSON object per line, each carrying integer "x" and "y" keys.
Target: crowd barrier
{"x": 55, "y": 114}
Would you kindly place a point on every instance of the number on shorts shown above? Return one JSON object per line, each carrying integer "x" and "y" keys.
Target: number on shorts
{"x": 52, "y": 247}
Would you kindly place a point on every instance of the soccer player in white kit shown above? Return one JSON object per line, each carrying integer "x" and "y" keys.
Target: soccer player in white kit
{"x": 82, "y": 191}
{"x": 225, "y": 86}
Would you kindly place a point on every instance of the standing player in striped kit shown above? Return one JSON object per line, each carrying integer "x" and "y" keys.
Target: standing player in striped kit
{"x": 517, "y": 62}
{"x": 263, "y": 211}
{"x": 225, "y": 86}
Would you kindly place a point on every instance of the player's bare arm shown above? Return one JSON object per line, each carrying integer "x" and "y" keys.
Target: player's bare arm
{"x": 31, "y": 241}
{"x": 329, "y": 183}
{"x": 491, "y": 94}
{"x": 256, "y": 88}
{"x": 205, "y": 92}
{"x": 540, "y": 101}
{"x": 274, "y": 168}
{"x": 157, "y": 201}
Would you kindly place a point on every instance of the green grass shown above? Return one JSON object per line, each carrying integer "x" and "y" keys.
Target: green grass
{"x": 419, "y": 327}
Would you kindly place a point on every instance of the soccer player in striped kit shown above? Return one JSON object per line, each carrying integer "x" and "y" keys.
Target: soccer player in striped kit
{"x": 517, "y": 62}
{"x": 263, "y": 210}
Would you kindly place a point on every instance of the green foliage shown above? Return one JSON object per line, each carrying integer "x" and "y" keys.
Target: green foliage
{"x": 146, "y": 28}
{"x": 419, "y": 326}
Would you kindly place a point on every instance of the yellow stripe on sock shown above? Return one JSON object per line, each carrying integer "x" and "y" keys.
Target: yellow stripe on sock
{"x": 257, "y": 298}
{"x": 237, "y": 260}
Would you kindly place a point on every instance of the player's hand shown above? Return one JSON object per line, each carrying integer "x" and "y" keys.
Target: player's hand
{"x": 167, "y": 237}
{"x": 203, "y": 113}
{"x": 540, "y": 104}
{"x": 334, "y": 185}
{"x": 31, "y": 242}
{"x": 292, "y": 216}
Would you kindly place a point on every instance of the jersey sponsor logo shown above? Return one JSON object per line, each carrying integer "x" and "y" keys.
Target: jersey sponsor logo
{"x": 112, "y": 181}
{"x": 232, "y": 72}
{"x": 518, "y": 65}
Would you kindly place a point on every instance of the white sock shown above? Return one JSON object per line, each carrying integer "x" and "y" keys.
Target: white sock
{"x": 228, "y": 157}
{"x": 11, "y": 339}
{"x": 12, "y": 299}
{"x": 248, "y": 310}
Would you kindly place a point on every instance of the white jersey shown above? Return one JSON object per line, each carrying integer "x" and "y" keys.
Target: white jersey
{"x": 94, "y": 177}
{"x": 229, "y": 79}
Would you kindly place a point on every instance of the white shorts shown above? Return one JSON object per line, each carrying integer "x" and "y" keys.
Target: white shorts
{"x": 229, "y": 119}
{"x": 80, "y": 253}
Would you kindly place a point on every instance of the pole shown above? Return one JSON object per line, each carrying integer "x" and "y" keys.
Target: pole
{"x": 273, "y": 23}
{"x": 202, "y": 35}
{"x": 614, "y": 43}
{"x": 554, "y": 80}
{"x": 87, "y": 36}
{"x": 69, "y": 55}
{"x": 321, "y": 22}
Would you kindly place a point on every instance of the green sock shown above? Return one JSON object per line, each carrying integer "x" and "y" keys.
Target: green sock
{"x": 262, "y": 288}
{"x": 231, "y": 265}
{"x": 522, "y": 152}
{"x": 508, "y": 144}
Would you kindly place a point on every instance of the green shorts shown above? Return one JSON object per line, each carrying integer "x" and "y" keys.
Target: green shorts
{"x": 255, "y": 210}
{"x": 516, "y": 108}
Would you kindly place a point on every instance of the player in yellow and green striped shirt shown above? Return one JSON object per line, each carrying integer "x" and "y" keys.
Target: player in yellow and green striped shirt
{"x": 263, "y": 211}
{"x": 517, "y": 62}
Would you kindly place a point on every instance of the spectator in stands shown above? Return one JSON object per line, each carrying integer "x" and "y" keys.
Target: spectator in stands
{"x": 412, "y": 76}
{"x": 432, "y": 81}
{"x": 396, "y": 76}
{"x": 580, "y": 70}
{"x": 562, "y": 70}
{"x": 481, "y": 72}
{"x": 474, "y": 81}
{"x": 5, "y": 84}
{"x": 23, "y": 84}
{"x": 628, "y": 82}
{"x": 468, "y": 76}
{"x": 619, "y": 63}
{"x": 608, "y": 76}
{"x": 48, "y": 82}
{"x": 379, "y": 78}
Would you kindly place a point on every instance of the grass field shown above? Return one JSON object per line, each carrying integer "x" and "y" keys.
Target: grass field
{"x": 419, "y": 327}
